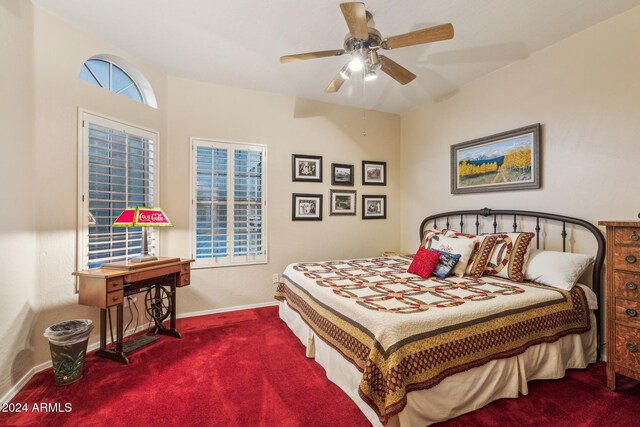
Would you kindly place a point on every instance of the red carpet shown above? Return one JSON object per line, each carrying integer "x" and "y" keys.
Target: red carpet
{"x": 246, "y": 368}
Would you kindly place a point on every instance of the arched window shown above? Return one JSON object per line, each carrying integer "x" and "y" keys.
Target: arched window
{"x": 118, "y": 76}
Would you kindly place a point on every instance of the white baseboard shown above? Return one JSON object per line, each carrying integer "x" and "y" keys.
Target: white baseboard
{"x": 41, "y": 367}
{"x": 226, "y": 309}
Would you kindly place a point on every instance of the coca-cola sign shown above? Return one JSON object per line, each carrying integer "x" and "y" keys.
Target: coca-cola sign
{"x": 151, "y": 217}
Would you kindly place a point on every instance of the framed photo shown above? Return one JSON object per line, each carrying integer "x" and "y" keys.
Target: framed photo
{"x": 342, "y": 202}
{"x": 374, "y": 207}
{"x": 306, "y": 207}
{"x": 341, "y": 174}
{"x": 306, "y": 168}
{"x": 505, "y": 161}
{"x": 374, "y": 173}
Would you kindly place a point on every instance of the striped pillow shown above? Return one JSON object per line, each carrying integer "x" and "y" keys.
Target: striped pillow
{"x": 430, "y": 234}
{"x": 481, "y": 252}
{"x": 510, "y": 255}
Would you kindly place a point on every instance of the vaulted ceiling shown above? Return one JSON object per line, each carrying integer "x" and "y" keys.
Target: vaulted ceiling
{"x": 239, "y": 42}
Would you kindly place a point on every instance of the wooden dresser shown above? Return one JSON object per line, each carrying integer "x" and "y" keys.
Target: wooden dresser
{"x": 623, "y": 299}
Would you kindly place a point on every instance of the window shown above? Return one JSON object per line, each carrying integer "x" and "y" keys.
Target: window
{"x": 228, "y": 203}
{"x": 117, "y": 169}
{"x": 118, "y": 76}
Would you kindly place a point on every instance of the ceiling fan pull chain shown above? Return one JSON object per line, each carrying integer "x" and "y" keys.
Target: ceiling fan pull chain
{"x": 364, "y": 107}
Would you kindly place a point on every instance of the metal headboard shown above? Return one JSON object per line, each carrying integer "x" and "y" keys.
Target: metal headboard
{"x": 452, "y": 217}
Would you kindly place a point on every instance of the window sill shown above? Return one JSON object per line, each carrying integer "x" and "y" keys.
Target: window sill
{"x": 196, "y": 266}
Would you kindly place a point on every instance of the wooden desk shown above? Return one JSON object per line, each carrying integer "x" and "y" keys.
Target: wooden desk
{"x": 106, "y": 287}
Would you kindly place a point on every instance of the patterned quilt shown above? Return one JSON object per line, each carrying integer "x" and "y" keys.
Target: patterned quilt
{"x": 406, "y": 333}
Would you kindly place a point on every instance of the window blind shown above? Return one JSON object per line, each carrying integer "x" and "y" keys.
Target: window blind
{"x": 229, "y": 203}
{"x": 120, "y": 172}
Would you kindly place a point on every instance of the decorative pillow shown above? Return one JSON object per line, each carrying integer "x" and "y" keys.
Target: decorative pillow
{"x": 481, "y": 251}
{"x": 446, "y": 264}
{"x": 510, "y": 255}
{"x": 424, "y": 262}
{"x": 481, "y": 255}
{"x": 463, "y": 247}
{"x": 558, "y": 269}
{"x": 430, "y": 234}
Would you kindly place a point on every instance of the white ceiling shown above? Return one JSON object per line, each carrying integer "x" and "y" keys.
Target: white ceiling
{"x": 239, "y": 42}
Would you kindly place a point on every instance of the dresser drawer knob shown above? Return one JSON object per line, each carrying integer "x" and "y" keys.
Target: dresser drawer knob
{"x": 631, "y": 312}
{"x": 631, "y": 286}
{"x": 632, "y": 347}
{"x": 631, "y": 259}
{"x": 634, "y": 236}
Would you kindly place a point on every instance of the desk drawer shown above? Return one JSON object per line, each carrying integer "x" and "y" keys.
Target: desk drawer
{"x": 627, "y": 236}
{"x": 626, "y": 285}
{"x": 115, "y": 284}
{"x": 114, "y": 298}
{"x": 184, "y": 280}
{"x": 150, "y": 274}
{"x": 627, "y": 258}
{"x": 185, "y": 269}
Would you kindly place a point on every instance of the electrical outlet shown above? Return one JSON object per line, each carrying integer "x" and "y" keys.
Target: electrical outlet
{"x": 276, "y": 278}
{"x": 129, "y": 301}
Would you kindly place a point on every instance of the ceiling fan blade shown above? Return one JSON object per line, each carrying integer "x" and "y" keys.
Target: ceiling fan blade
{"x": 395, "y": 70}
{"x": 335, "y": 84}
{"x": 426, "y": 35}
{"x": 356, "y": 16}
{"x": 310, "y": 55}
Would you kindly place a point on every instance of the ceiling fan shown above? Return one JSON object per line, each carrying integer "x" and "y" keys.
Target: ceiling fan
{"x": 363, "y": 42}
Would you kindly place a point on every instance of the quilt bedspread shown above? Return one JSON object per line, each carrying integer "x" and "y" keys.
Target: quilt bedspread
{"x": 406, "y": 333}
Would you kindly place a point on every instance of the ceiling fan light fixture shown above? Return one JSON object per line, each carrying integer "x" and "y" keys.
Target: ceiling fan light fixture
{"x": 345, "y": 72}
{"x": 374, "y": 61}
{"x": 370, "y": 76}
{"x": 356, "y": 64}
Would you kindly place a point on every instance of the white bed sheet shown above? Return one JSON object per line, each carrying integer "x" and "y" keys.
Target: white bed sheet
{"x": 465, "y": 391}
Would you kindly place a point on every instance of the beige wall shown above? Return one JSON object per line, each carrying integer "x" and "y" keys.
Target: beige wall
{"x": 584, "y": 90}
{"x": 60, "y": 51}
{"x": 286, "y": 125}
{"x": 18, "y": 282}
{"x": 39, "y": 105}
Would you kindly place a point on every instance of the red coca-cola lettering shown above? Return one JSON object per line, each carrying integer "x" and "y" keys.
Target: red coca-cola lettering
{"x": 153, "y": 217}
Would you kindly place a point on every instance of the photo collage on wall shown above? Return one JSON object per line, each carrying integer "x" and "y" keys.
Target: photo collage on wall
{"x": 342, "y": 202}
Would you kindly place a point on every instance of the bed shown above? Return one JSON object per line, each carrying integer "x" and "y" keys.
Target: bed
{"x": 412, "y": 351}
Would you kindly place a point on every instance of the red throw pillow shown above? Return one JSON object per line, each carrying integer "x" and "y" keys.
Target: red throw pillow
{"x": 424, "y": 262}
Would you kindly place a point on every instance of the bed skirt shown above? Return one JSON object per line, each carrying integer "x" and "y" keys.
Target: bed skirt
{"x": 460, "y": 393}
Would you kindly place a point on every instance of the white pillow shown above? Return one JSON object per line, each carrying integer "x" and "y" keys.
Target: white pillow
{"x": 463, "y": 247}
{"x": 558, "y": 269}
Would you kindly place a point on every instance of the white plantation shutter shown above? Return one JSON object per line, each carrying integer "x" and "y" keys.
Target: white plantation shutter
{"x": 228, "y": 203}
{"x": 117, "y": 170}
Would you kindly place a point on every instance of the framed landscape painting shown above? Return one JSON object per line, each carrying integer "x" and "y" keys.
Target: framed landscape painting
{"x": 306, "y": 168}
{"x": 505, "y": 161}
